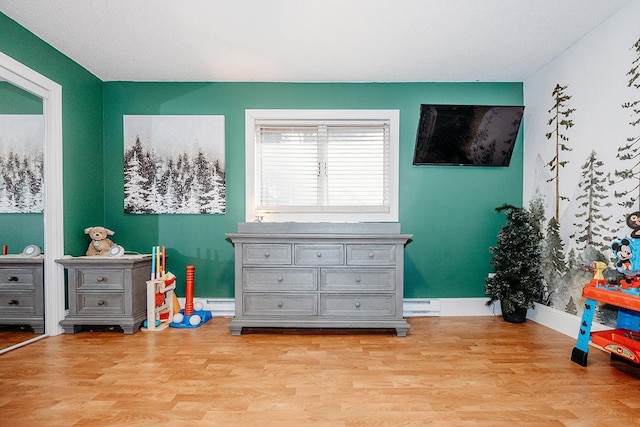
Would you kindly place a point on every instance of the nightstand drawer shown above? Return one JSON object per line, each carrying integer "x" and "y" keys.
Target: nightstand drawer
{"x": 17, "y": 303}
{"x": 270, "y": 304}
{"x": 358, "y": 279}
{"x": 371, "y": 254}
{"x": 17, "y": 277}
{"x": 266, "y": 254}
{"x": 95, "y": 303}
{"x": 372, "y": 306}
{"x": 280, "y": 279}
{"x": 315, "y": 254}
{"x": 97, "y": 279}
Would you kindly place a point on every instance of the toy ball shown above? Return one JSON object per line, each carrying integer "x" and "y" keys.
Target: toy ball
{"x": 195, "y": 320}
{"x": 198, "y": 306}
{"x": 178, "y": 317}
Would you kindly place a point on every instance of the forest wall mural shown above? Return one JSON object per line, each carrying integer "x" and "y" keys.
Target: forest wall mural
{"x": 174, "y": 165}
{"x": 582, "y": 158}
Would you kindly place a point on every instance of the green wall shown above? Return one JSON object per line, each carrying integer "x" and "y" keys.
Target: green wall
{"x": 82, "y": 134}
{"x": 449, "y": 210}
{"x": 24, "y": 229}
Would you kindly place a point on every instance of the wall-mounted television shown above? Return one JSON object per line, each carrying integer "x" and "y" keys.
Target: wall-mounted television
{"x": 466, "y": 135}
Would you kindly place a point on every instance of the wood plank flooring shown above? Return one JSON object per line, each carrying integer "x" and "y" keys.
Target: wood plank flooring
{"x": 11, "y": 335}
{"x": 449, "y": 371}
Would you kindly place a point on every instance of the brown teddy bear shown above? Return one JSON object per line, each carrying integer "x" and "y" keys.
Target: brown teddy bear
{"x": 100, "y": 243}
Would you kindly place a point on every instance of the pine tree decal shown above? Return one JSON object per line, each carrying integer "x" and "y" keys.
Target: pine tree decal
{"x": 631, "y": 150}
{"x": 559, "y": 119}
{"x": 591, "y": 223}
{"x": 571, "y": 307}
{"x": 555, "y": 248}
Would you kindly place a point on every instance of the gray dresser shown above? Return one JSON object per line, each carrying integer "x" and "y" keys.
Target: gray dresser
{"x": 107, "y": 291}
{"x": 319, "y": 275}
{"x": 22, "y": 291}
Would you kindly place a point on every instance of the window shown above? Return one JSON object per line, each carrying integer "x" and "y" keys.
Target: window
{"x": 322, "y": 165}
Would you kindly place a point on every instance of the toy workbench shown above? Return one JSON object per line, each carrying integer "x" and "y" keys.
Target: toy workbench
{"x": 624, "y": 340}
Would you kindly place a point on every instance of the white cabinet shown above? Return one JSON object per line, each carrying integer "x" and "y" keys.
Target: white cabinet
{"x": 319, "y": 275}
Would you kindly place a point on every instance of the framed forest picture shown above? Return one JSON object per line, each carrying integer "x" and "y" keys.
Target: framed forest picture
{"x": 21, "y": 163}
{"x": 174, "y": 164}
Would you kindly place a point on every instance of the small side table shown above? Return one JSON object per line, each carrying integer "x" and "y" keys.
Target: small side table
{"x": 107, "y": 291}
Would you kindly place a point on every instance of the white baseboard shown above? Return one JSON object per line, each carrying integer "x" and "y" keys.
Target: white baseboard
{"x": 560, "y": 321}
{"x": 557, "y": 320}
{"x": 412, "y": 307}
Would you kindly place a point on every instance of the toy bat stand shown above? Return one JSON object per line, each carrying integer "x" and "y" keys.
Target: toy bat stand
{"x": 189, "y": 317}
{"x": 160, "y": 298}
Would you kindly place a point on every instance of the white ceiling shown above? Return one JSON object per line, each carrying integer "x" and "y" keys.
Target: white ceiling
{"x": 311, "y": 40}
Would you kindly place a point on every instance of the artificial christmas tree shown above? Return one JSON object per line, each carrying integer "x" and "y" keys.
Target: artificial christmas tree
{"x": 517, "y": 261}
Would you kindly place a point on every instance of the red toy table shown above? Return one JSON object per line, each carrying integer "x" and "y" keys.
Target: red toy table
{"x": 621, "y": 342}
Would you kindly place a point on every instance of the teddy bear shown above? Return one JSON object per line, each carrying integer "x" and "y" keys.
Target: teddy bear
{"x": 100, "y": 243}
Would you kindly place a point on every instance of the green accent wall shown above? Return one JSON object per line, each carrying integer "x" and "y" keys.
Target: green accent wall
{"x": 82, "y": 135}
{"x": 448, "y": 209}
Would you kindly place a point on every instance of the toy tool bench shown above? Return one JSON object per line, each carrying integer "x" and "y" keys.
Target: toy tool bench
{"x": 623, "y": 341}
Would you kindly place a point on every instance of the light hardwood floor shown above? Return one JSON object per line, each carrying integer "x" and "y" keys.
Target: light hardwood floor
{"x": 450, "y": 371}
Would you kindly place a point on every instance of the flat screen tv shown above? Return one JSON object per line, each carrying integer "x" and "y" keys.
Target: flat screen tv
{"x": 466, "y": 135}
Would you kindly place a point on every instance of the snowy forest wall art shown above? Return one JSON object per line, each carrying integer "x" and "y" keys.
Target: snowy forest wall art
{"x": 21, "y": 163}
{"x": 174, "y": 164}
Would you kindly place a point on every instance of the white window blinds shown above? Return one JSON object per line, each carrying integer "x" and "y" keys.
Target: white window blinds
{"x": 323, "y": 167}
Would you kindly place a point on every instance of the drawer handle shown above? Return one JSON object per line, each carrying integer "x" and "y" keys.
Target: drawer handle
{"x": 267, "y": 254}
{"x": 319, "y": 254}
{"x": 101, "y": 303}
{"x": 280, "y": 304}
{"x": 100, "y": 279}
{"x": 357, "y": 305}
{"x": 279, "y": 279}
{"x": 358, "y": 279}
{"x": 371, "y": 255}
{"x": 13, "y": 279}
{"x": 14, "y": 302}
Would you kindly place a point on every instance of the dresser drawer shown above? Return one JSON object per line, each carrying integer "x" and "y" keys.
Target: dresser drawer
{"x": 358, "y": 279}
{"x": 371, "y": 254}
{"x": 90, "y": 303}
{"x": 17, "y": 278}
{"x": 279, "y": 279}
{"x": 266, "y": 254}
{"x": 17, "y": 303}
{"x": 97, "y": 279}
{"x": 364, "y": 305}
{"x": 316, "y": 254}
{"x": 271, "y": 304}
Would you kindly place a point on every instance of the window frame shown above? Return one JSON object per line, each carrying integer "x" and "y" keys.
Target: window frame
{"x": 259, "y": 115}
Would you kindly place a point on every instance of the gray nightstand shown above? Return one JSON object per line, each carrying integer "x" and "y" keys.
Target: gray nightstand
{"x": 107, "y": 291}
{"x": 21, "y": 291}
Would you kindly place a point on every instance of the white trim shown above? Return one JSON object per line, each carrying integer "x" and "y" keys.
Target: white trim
{"x": 254, "y": 115}
{"x": 51, "y": 93}
{"x": 412, "y": 307}
{"x": 565, "y": 323}
{"x": 560, "y": 321}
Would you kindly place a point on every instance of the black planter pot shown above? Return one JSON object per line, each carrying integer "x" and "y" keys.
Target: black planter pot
{"x": 517, "y": 316}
